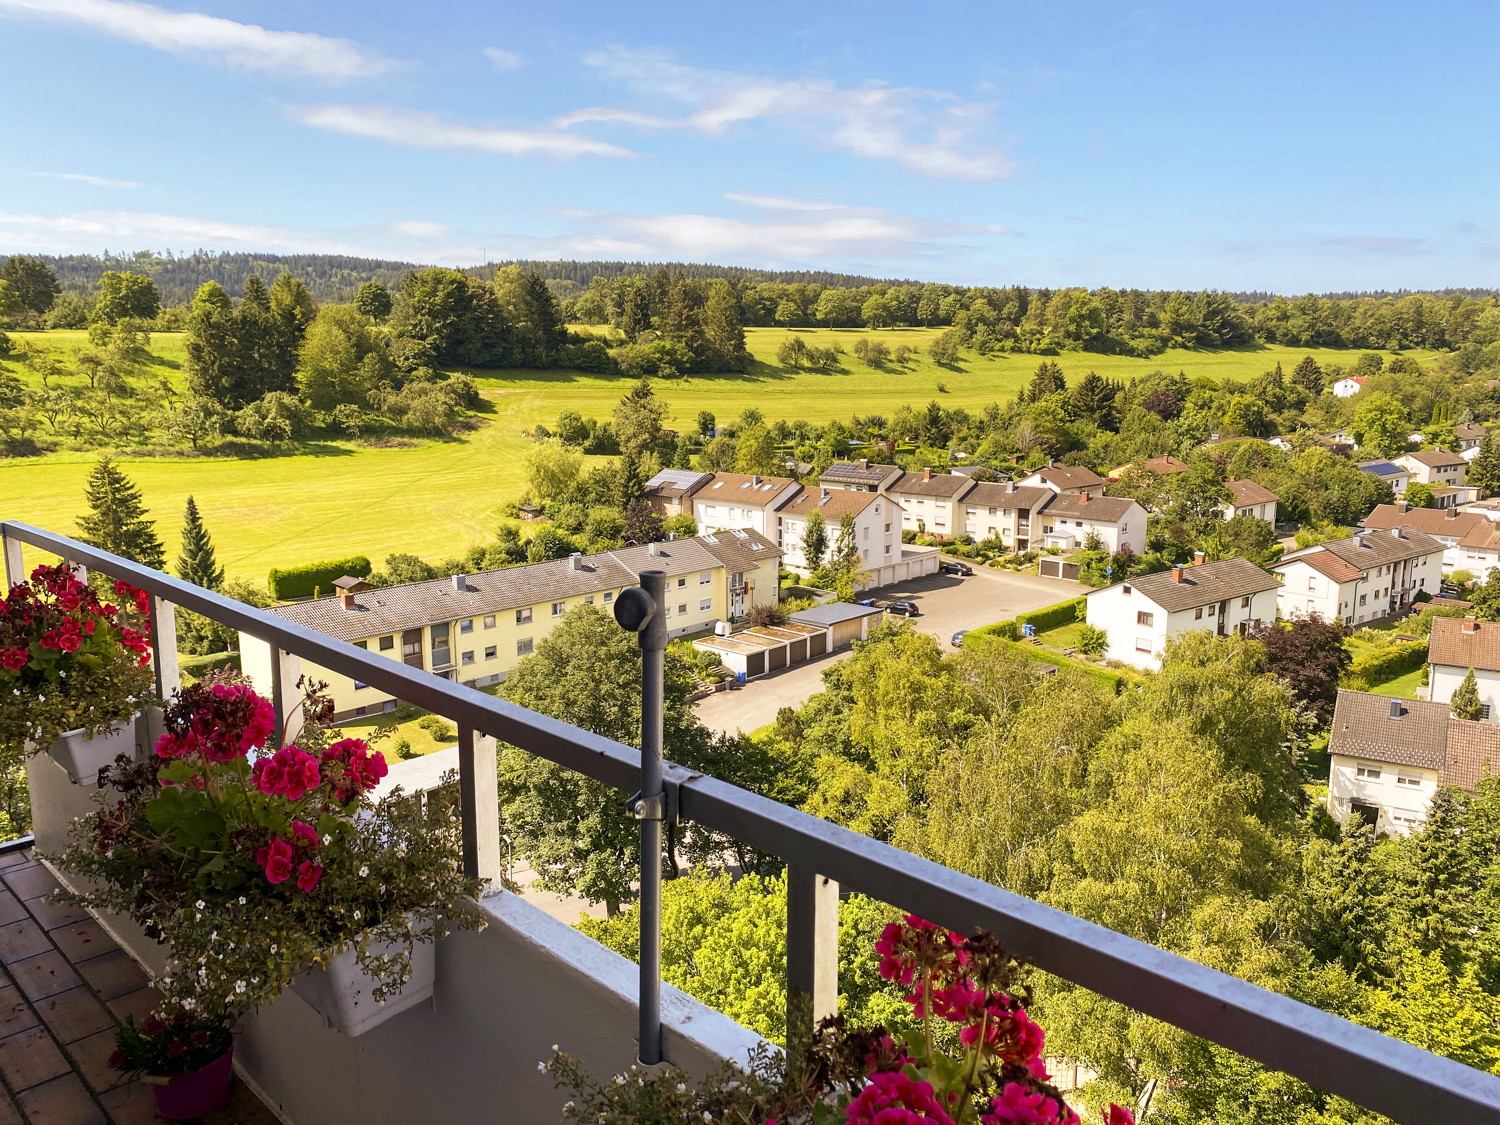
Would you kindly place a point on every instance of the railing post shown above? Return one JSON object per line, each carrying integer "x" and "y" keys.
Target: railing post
{"x": 15, "y": 567}
{"x": 812, "y": 952}
{"x": 479, "y": 800}
{"x": 286, "y": 670}
{"x": 163, "y": 616}
{"x": 640, "y": 610}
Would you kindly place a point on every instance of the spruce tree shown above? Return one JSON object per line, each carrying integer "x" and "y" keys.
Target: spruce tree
{"x": 724, "y": 327}
{"x": 1484, "y": 470}
{"x": 1465, "y": 702}
{"x": 197, "y": 563}
{"x": 1308, "y": 375}
{"x": 117, "y": 521}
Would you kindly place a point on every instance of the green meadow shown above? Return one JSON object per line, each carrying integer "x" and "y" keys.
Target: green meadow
{"x": 438, "y": 497}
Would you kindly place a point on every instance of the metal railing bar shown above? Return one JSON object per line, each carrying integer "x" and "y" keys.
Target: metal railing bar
{"x": 1384, "y": 1074}
{"x": 7, "y": 846}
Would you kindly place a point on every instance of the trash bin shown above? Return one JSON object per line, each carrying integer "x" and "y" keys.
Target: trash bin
{"x": 740, "y": 676}
{"x": 1028, "y": 630}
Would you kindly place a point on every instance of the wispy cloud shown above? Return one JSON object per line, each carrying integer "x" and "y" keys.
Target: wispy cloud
{"x": 82, "y": 178}
{"x": 415, "y": 129}
{"x": 501, "y": 59}
{"x": 931, "y": 132}
{"x": 95, "y": 230}
{"x": 417, "y": 228}
{"x": 1377, "y": 245}
{"x": 244, "y": 46}
{"x": 780, "y": 202}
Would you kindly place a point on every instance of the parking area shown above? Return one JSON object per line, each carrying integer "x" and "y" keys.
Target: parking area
{"x": 945, "y": 603}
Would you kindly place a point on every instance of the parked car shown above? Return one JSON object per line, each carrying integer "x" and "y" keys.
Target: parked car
{"x": 958, "y": 638}
{"x": 959, "y": 568}
{"x": 906, "y": 609}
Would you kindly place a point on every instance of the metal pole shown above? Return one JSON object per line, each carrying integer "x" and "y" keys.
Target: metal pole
{"x": 642, "y": 611}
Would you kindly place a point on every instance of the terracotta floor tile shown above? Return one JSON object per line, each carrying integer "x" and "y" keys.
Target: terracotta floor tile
{"x": 80, "y": 941}
{"x": 9, "y": 1114}
{"x": 74, "y": 1014}
{"x": 29, "y": 1058}
{"x": 44, "y": 976}
{"x": 21, "y": 940}
{"x": 131, "y": 1105}
{"x": 114, "y": 974}
{"x": 15, "y": 1014}
{"x": 243, "y": 1108}
{"x": 32, "y": 881}
{"x": 14, "y": 859}
{"x": 51, "y": 915}
{"x": 11, "y": 909}
{"x": 140, "y": 1004}
{"x": 91, "y": 1055}
{"x": 63, "y": 1101}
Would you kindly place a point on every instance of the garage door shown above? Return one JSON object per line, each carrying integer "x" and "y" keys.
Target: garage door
{"x": 799, "y": 651}
{"x": 755, "y": 664}
{"x": 777, "y": 658}
{"x": 817, "y": 644}
{"x": 845, "y": 632}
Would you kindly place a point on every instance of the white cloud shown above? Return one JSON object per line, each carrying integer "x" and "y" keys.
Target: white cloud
{"x": 82, "y": 178}
{"x": 931, "y": 132}
{"x": 502, "y": 59}
{"x": 780, "y": 202}
{"x": 94, "y": 230}
{"x": 415, "y": 129}
{"x": 244, "y": 46}
{"x": 417, "y": 228}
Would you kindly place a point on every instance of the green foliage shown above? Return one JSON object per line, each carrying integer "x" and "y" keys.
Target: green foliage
{"x": 373, "y": 300}
{"x": 1054, "y": 616}
{"x": 1419, "y": 495}
{"x": 1465, "y": 702}
{"x": 314, "y": 579}
{"x": 1380, "y": 424}
{"x": 196, "y": 667}
{"x": 342, "y": 360}
{"x": 123, "y": 295}
{"x": 1092, "y": 641}
{"x": 117, "y": 521}
{"x": 35, "y": 285}
{"x": 1386, "y": 664}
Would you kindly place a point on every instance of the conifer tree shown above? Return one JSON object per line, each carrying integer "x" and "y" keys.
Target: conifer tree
{"x": 197, "y": 563}
{"x": 117, "y": 521}
{"x": 1484, "y": 470}
{"x": 724, "y": 327}
{"x": 1465, "y": 702}
{"x": 1308, "y": 375}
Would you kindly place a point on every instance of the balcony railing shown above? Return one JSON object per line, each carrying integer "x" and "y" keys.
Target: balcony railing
{"x": 1370, "y": 1069}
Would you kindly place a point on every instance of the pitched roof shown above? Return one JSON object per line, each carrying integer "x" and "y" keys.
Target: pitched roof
{"x": 739, "y": 488}
{"x": 1364, "y": 727}
{"x": 677, "y": 482}
{"x": 855, "y": 472}
{"x": 1436, "y": 458}
{"x": 1473, "y": 754}
{"x": 943, "y": 485}
{"x": 1484, "y": 535}
{"x": 1447, "y": 522}
{"x": 1105, "y": 509}
{"x": 1360, "y": 552}
{"x": 1249, "y": 492}
{"x": 1383, "y": 468}
{"x": 987, "y": 494}
{"x": 1200, "y": 585}
{"x": 1451, "y": 646}
{"x": 834, "y": 503}
{"x": 1470, "y": 430}
{"x": 1165, "y": 466}
{"x": 739, "y": 549}
{"x": 1070, "y": 476}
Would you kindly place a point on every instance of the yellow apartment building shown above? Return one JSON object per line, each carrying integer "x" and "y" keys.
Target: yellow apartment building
{"x": 474, "y": 628}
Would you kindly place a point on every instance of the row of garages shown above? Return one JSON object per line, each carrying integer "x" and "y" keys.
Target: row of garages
{"x": 809, "y": 634}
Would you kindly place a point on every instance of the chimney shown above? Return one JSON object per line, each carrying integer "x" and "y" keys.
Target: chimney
{"x": 1198, "y": 557}
{"x": 575, "y": 560}
{"x": 1470, "y": 625}
{"x": 1396, "y": 533}
{"x": 1395, "y": 708}
{"x": 347, "y": 600}
{"x": 864, "y": 462}
{"x": 1083, "y": 497}
{"x": 654, "y": 548}
{"x": 1010, "y": 486}
{"x": 1359, "y": 538}
{"x": 459, "y": 584}
{"x": 1177, "y": 573}
{"x": 926, "y": 474}
{"x": 1401, "y": 506}
{"x": 1231, "y": 480}
{"x": 824, "y": 498}
{"x": 1451, "y": 514}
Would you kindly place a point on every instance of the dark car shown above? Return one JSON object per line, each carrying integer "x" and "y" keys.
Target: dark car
{"x": 906, "y": 609}
{"x": 957, "y": 568}
{"x": 958, "y": 638}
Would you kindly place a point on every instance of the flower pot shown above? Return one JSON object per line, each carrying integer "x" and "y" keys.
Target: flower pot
{"x": 195, "y": 1092}
{"x": 83, "y": 756}
{"x": 341, "y": 993}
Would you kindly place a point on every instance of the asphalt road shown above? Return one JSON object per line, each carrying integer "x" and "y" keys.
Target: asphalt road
{"x": 946, "y": 603}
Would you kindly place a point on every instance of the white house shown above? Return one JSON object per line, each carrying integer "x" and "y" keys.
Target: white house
{"x": 1479, "y": 551}
{"x": 1068, "y": 520}
{"x": 877, "y": 525}
{"x": 1447, "y": 525}
{"x": 1250, "y": 499}
{"x": 1006, "y": 511}
{"x": 1363, "y": 578}
{"x": 1230, "y": 595}
{"x": 1436, "y": 467}
{"x": 1348, "y": 386}
{"x": 1393, "y": 474}
{"x": 1065, "y": 479}
{"x": 1388, "y": 757}
{"x": 929, "y": 501}
{"x": 734, "y": 500}
{"x": 863, "y": 475}
{"x": 1457, "y": 645}
{"x": 1469, "y": 434}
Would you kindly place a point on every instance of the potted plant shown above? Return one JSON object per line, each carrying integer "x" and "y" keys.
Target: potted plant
{"x": 256, "y": 864}
{"x": 973, "y": 1058}
{"x": 74, "y": 671}
{"x": 188, "y": 1061}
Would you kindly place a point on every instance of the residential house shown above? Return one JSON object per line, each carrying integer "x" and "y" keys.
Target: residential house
{"x": 1348, "y": 386}
{"x": 1458, "y": 644}
{"x": 877, "y": 525}
{"x": 861, "y": 476}
{"x": 670, "y": 492}
{"x": 1436, "y": 467}
{"x": 1065, "y": 480}
{"x": 734, "y": 500}
{"x": 1479, "y": 550}
{"x": 1470, "y": 434}
{"x": 930, "y": 501}
{"x": 1004, "y": 511}
{"x": 1068, "y": 520}
{"x": 1143, "y": 613}
{"x": 1364, "y": 578}
{"x": 1388, "y": 757}
{"x": 474, "y": 628}
{"x": 1392, "y": 474}
{"x": 1448, "y": 525}
{"x": 1250, "y": 499}
{"x": 1165, "y": 466}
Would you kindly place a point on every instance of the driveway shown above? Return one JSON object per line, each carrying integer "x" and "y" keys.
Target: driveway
{"x": 946, "y": 603}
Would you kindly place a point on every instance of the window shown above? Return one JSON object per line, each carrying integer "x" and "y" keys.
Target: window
{"x": 387, "y": 643}
{"x": 1362, "y": 599}
{"x": 1125, "y": 590}
{"x": 867, "y": 533}
{"x": 681, "y": 582}
{"x": 588, "y": 600}
{"x": 1143, "y": 644}
{"x": 1312, "y": 585}
{"x": 466, "y": 658}
{"x": 359, "y": 686}
{"x": 362, "y": 644}
{"x": 682, "y": 608}
{"x": 489, "y": 622}
{"x": 1369, "y": 773}
{"x": 1198, "y": 613}
{"x": 1144, "y": 618}
{"x": 995, "y": 511}
{"x": 609, "y": 596}
{"x": 1484, "y": 711}
{"x": 466, "y": 626}
{"x": 523, "y": 616}
{"x": 705, "y": 605}
{"x": 1411, "y": 782}
{"x": 705, "y": 577}
{"x": 523, "y": 647}
{"x": 887, "y": 528}
{"x": 1245, "y": 602}
{"x": 887, "y": 548}
{"x": 490, "y": 653}
{"x": 1402, "y": 816}
{"x": 558, "y": 607}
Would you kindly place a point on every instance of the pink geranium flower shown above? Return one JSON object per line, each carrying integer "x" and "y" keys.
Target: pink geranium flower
{"x": 1020, "y": 1105}
{"x": 894, "y": 1099}
{"x": 308, "y": 875}
{"x": 276, "y": 857}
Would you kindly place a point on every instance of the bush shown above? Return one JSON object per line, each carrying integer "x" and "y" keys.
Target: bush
{"x": 402, "y": 747}
{"x": 1005, "y": 629}
{"x": 196, "y": 667}
{"x": 1390, "y": 662}
{"x": 307, "y": 580}
{"x": 1053, "y": 616}
{"x": 440, "y": 730}
{"x": 1092, "y": 640}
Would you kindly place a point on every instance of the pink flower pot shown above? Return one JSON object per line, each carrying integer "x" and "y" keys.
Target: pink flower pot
{"x": 196, "y": 1092}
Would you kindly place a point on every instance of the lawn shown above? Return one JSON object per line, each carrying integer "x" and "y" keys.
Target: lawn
{"x": 439, "y": 497}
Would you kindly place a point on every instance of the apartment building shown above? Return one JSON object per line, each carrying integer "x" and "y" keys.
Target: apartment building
{"x": 1250, "y": 499}
{"x": 1068, "y": 519}
{"x": 475, "y": 628}
{"x": 1003, "y": 511}
{"x": 930, "y": 501}
{"x": 877, "y": 525}
{"x": 1479, "y": 551}
{"x": 1389, "y": 472}
{"x": 1457, "y": 646}
{"x": 1436, "y": 467}
{"x": 1448, "y": 526}
{"x": 734, "y": 500}
{"x": 1065, "y": 480}
{"x": 1364, "y": 578}
{"x": 670, "y": 492}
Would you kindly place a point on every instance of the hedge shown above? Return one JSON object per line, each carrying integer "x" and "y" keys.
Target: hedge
{"x": 197, "y": 667}
{"x": 1386, "y": 664}
{"x": 1006, "y": 629}
{"x": 1106, "y": 678}
{"x": 310, "y": 579}
{"x": 1054, "y": 616}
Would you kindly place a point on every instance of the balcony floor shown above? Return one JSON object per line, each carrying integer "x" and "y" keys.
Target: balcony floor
{"x": 65, "y": 986}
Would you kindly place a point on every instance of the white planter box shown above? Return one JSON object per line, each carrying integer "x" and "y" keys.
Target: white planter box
{"x": 341, "y": 994}
{"x": 83, "y": 756}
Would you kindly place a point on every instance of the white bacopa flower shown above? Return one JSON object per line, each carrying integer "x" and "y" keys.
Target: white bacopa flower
{"x": 541, "y": 1067}
{"x": 273, "y": 947}
{"x": 328, "y": 839}
{"x": 567, "y": 1105}
{"x": 356, "y": 915}
{"x": 189, "y": 1004}
{"x": 708, "y": 1117}
{"x": 239, "y": 986}
{"x": 364, "y": 870}
{"x": 242, "y": 900}
{"x": 200, "y": 904}
{"x": 681, "y": 1086}
{"x": 554, "y": 1047}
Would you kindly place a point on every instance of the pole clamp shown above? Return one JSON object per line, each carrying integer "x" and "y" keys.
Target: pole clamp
{"x": 647, "y": 808}
{"x": 666, "y": 806}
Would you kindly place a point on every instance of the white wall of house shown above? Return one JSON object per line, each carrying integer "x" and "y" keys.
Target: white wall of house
{"x": 877, "y": 530}
{"x": 1345, "y": 387}
{"x": 985, "y": 521}
{"x": 1071, "y": 532}
{"x": 1402, "y": 794}
{"x": 1444, "y": 475}
{"x": 1479, "y": 561}
{"x": 1445, "y": 678}
{"x": 1265, "y": 511}
{"x": 1305, "y": 590}
{"x": 935, "y": 515}
{"x": 732, "y": 507}
{"x": 1139, "y": 629}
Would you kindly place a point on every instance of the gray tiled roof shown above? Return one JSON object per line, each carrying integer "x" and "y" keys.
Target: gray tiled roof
{"x": 1105, "y": 509}
{"x": 1381, "y": 547}
{"x": 742, "y": 490}
{"x": 1070, "y": 476}
{"x": 1363, "y": 728}
{"x": 1201, "y": 585}
{"x": 1449, "y": 522}
{"x": 1436, "y": 458}
{"x": 988, "y": 495}
{"x": 942, "y": 485}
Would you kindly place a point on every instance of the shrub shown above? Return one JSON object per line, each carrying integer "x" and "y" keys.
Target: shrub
{"x": 440, "y": 730}
{"x": 1053, "y": 616}
{"x": 307, "y": 580}
{"x": 1092, "y": 640}
{"x": 402, "y": 747}
{"x": 1386, "y": 664}
{"x": 1005, "y": 629}
{"x": 196, "y": 667}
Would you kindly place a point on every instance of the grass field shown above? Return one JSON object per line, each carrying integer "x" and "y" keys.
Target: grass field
{"x": 441, "y": 496}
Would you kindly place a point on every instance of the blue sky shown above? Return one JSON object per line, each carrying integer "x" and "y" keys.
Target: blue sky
{"x": 1289, "y": 147}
